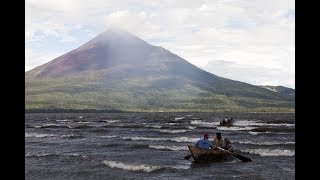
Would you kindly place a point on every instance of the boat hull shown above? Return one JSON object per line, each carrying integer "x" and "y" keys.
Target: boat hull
{"x": 226, "y": 125}
{"x": 208, "y": 155}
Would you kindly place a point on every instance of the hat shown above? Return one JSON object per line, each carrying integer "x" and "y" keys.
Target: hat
{"x": 206, "y": 136}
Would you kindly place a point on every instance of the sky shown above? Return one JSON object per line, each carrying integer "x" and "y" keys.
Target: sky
{"x": 252, "y": 41}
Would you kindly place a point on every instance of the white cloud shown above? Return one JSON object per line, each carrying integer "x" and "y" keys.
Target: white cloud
{"x": 36, "y": 59}
{"x": 256, "y": 36}
{"x": 258, "y": 75}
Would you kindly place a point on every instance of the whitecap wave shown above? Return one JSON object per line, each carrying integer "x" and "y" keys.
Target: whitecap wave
{"x": 280, "y": 124}
{"x": 179, "y": 167}
{"x": 47, "y": 126}
{"x": 131, "y": 167}
{"x": 267, "y": 132}
{"x": 257, "y": 123}
{"x": 178, "y": 139}
{"x": 185, "y": 139}
{"x": 28, "y": 135}
{"x": 40, "y": 155}
{"x": 111, "y": 121}
{"x": 172, "y": 148}
{"x": 84, "y": 122}
{"x": 254, "y": 133}
{"x": 179, "y": 118}
{"x": 270, "y": 152}
{"x": 171, "y": 123}
{"x": 204, "y": 123}
{"x": 145, "y": 139}
{"x": 265, "y": 142}
{"x": 152, "y": 126}
{"x": 70, "y": 136}
{"x": 234, "y": 128}
{"x": 107, "y": 137}
{"x": 64, "y": 120}
{"x": 175, "y": 131}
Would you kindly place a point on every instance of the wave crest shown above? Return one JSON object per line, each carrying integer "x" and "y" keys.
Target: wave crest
{"x": 172, "y": 148}
{"x": 27, "y": 135}
{"x": 268, "y": 152}
{"x": 185, "y": 139}
{"x": 145, "y": 139}
{"x": 173, "y": 131}
{"x": 233, "y": 128}
{"x": 265, "y": 142}
{"x": 257, "y": 123}
{"x": 41, "y": 155}
{"x": 131, "y": 167}
{"x": 204, "y": 123}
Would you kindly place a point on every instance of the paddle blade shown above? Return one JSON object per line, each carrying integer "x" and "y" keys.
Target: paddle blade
{"x": 187, "y": 157}
{"x": 242, "y": 158}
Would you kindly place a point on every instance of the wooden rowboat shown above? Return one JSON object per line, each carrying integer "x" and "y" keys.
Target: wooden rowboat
{"x": 208, "y": 155}
{"x": 226, "y": 125}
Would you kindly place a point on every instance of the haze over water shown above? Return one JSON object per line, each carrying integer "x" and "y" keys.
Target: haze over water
{"x": 152, "y": 145}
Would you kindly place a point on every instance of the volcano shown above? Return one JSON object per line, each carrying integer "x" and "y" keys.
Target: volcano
{"x": 119, "y": 71}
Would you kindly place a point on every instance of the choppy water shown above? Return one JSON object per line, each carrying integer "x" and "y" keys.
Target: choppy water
{"x": 152, "y": 146}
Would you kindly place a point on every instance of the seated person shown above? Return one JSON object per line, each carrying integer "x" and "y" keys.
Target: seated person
{"x": 225, "y": 120}
{"x": 222, "y": 142}
{"x": 204, "y": 143}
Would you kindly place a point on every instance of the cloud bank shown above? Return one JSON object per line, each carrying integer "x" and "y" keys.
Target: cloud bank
{"x": 249, "y": 41}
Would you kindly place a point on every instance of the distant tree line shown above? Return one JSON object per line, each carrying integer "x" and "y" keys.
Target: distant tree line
{"x": 73, "y": 111}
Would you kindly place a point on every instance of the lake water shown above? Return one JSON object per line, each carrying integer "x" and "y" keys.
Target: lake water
{"x": 152, "y": 145}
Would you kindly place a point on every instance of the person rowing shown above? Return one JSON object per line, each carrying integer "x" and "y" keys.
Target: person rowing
{"x": 225, "y": 120}
{"x": 221, "y": 142}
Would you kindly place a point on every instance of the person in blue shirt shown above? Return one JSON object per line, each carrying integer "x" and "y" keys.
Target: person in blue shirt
{"x": 204, "y": 143}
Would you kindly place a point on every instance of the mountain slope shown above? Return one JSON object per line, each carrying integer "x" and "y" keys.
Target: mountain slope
{"x": 281, "y": 90}
{"x": 117, "y": 70}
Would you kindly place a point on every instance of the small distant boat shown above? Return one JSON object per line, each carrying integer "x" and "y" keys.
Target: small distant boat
{"x": 228, "y": 123}
{"x": 208, "y": 155}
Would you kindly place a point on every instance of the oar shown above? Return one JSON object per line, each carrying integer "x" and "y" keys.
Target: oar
{"x": 242, "y": 158}
{"x": 188, "y": 156}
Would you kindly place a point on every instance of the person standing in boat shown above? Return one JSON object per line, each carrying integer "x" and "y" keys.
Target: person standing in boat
{"x": 221, "y": 142}
{"x": 204, "y": 143}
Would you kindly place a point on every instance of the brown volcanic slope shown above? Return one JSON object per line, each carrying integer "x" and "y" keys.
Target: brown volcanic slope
{"x": 117, "y": 70}
{"x": 103, "y": 52}
{"x": 114, "y": 49}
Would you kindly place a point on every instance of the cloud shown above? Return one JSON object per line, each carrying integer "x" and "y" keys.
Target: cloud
{"x": 253, "y": 74}
{"x": 258, "y": 34}
{"x": 36, "y": 59}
